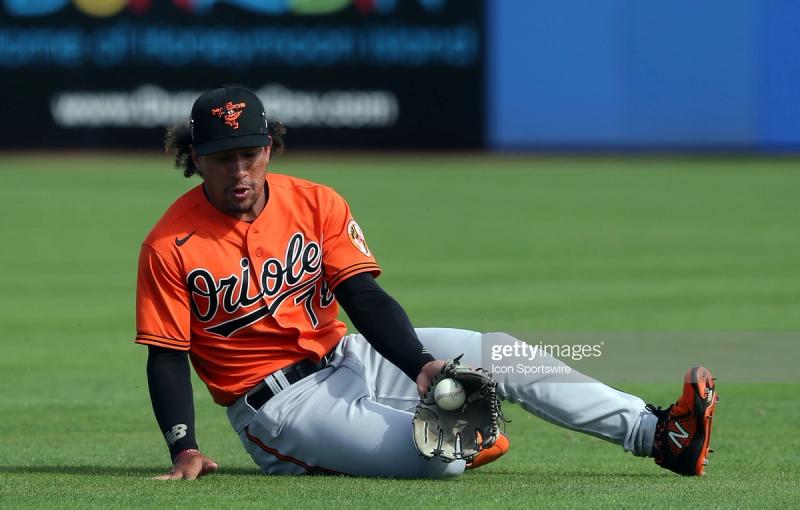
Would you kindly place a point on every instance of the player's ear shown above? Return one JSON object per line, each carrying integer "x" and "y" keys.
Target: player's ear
{"x": 195, "y": 159}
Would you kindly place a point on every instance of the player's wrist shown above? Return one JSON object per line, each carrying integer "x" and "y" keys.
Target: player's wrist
{"x": 185, "y": 443}
{"x": 430, "y": 369}
{"x": 184, "y": 453}
{"x": 419, "y": 364}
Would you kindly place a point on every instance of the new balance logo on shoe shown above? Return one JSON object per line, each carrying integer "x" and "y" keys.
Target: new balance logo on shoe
{"x": 675, "y": 435}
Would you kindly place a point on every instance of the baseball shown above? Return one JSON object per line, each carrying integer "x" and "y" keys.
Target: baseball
{"x": 449, "y": 394}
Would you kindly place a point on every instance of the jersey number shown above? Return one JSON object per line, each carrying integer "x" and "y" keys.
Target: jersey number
{"x": 307, "y": 296}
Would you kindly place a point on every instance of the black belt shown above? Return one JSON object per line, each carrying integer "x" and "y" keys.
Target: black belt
{"x": 264, "y": 391}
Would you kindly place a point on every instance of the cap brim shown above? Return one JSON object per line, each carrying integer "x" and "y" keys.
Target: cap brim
{"x": 232, "y": 142}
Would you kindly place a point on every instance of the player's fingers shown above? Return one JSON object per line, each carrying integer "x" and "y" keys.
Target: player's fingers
{"x": 167, "y": 476}
{"x": 194, "y": 470}
{"x": 190, "y": 467}
{"x": 209, "y": 466}
{"x": 197, "y": 470}
{"x": 426, "y": 374}
{"x": 191, "y": 475}
{"x": 181, "y": 473}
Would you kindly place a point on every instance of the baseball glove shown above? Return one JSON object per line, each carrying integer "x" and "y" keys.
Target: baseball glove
{"x": 463, "y": 432}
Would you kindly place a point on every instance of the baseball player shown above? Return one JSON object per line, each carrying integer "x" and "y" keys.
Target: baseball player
{"x": 246, "y": 272}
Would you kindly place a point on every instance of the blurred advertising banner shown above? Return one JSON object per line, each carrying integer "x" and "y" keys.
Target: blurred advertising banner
{"x": 337, "y": 73}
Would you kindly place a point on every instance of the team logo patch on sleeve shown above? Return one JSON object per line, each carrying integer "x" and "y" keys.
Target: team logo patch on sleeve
{"x": 356, "y": 236}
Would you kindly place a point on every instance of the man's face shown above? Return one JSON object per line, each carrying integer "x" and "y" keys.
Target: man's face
{"x": 234, "y": 180}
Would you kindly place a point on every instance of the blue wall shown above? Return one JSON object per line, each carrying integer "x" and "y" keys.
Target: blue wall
{"x": 633, "y": 74}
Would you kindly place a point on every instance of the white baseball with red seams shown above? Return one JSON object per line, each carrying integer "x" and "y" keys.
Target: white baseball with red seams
{"x": 449, "y": 394}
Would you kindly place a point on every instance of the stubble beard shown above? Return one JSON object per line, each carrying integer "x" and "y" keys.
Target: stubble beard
{"x": 241, "y": 207}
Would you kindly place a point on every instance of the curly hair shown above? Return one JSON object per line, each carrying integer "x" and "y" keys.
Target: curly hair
{"x": 178, "y": 141}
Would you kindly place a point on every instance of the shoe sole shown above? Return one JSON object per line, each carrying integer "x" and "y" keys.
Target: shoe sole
{"x": 705, "y": 403}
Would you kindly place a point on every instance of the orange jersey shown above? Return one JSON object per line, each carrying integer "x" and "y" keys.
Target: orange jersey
{"x": 246, "y": 299}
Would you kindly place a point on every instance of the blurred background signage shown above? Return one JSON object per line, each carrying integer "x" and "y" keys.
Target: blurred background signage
{"x": 338, "y": 73}
{"x": 411, "y": 74}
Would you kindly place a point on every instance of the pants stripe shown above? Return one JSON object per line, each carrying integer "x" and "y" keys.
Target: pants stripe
{"x": 286, "y": 458}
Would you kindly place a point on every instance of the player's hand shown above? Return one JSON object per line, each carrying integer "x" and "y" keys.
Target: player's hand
{"x": 189, "y": 465}
{"x": 426, "y": 374}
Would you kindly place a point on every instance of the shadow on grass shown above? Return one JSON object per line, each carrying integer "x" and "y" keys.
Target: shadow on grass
{"x": 149, "y": 472}
{"x": 577, "y": 474}
{"x": 133, "y": 471}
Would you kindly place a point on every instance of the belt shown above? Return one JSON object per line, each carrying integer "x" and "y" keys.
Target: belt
{"x": 280, "y": 380}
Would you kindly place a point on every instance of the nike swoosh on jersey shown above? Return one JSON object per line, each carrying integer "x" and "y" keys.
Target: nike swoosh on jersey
{"x": 181, "y": 242}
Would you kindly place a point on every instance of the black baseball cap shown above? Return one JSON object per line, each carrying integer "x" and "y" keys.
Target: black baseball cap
{"x": 228, "y": 118}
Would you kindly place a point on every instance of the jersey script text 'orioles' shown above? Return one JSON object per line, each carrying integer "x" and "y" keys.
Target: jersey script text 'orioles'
{"x": 247, "y": 282}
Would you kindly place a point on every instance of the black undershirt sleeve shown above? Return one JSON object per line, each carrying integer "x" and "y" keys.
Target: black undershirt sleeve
{"x": 170, "y": 384}
{"x": 383, "y": 322}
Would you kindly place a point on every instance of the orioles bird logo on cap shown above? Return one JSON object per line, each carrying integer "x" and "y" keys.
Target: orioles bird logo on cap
{"x": 229, "y": 113}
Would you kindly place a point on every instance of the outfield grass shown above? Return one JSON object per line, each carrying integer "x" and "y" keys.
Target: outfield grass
{"x": 517, "y": 244}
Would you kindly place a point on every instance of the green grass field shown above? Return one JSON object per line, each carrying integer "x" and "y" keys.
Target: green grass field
{"x": 697, "y": 246}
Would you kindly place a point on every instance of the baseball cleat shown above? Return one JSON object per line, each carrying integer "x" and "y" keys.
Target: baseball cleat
{"x": 491, "y": 454}
{"x": 684, "y": 428}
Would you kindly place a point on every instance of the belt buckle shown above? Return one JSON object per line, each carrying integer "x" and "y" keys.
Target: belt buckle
{"x": 274, "y": 382}
{"x": 277, "y": 381}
